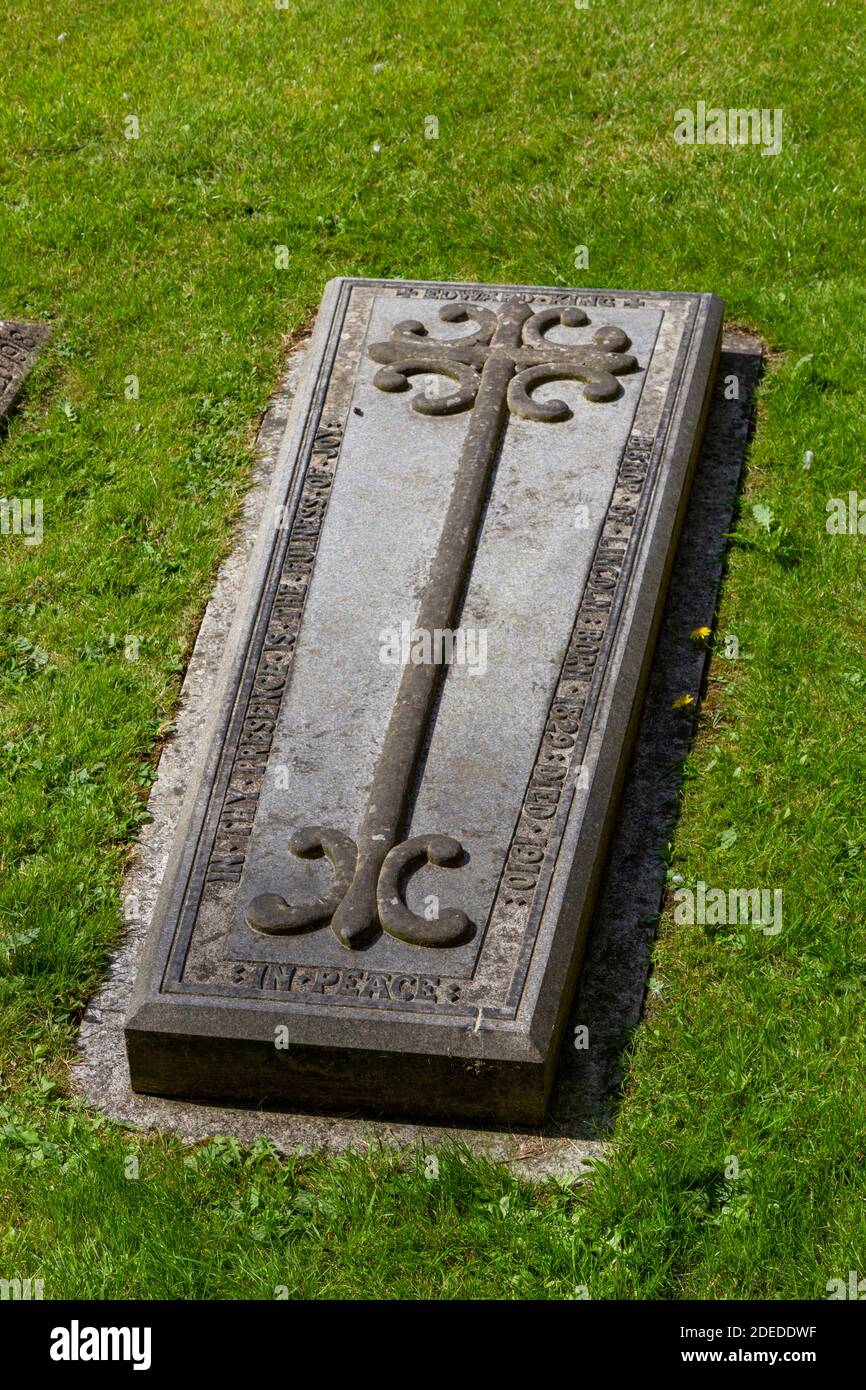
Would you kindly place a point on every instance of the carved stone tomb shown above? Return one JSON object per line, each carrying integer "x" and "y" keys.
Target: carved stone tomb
{"x": 386, "y": 865}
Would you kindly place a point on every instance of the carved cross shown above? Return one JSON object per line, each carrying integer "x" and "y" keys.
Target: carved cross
{"x": 496, "y": 369}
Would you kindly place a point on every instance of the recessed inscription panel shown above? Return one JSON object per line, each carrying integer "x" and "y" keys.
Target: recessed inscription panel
{"x": 546, "y": 507}
{"x": 396, "y": 838}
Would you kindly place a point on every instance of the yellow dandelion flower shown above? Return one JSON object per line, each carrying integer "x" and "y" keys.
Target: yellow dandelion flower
{"x": 683, "y": 702}
{"x": 700, "y": 634}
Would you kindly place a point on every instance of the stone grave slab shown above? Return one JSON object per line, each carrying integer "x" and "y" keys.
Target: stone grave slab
{"x": 385, "y": 869}
{"x": 19, "y": 348}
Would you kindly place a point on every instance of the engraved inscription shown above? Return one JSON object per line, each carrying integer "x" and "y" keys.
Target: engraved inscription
{"x": 565, "y": 298}
{"x": 550, "y": 774}
{"x": 398, "y": 987}
{"x": 272, "y": 673}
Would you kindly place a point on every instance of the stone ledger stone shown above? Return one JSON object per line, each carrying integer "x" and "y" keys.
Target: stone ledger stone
{"x": 386, "y": 865}
{"x": 19, "y": 348}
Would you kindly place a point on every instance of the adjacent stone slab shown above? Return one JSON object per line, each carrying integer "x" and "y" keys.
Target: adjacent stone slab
{"x": 19, "y": 348}
{"x": 385, "y": 871}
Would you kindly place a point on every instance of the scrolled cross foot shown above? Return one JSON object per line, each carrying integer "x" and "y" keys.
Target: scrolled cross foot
{"x": 366, "y": 892}
{"x": 451, "y": 925}
{"x": 271, "y": 914}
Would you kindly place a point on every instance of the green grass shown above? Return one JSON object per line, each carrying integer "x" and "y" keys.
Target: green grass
{"x": 155, "y": 257}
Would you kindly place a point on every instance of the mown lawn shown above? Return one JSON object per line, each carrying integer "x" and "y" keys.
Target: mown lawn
{"x": 154, "y": 258}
